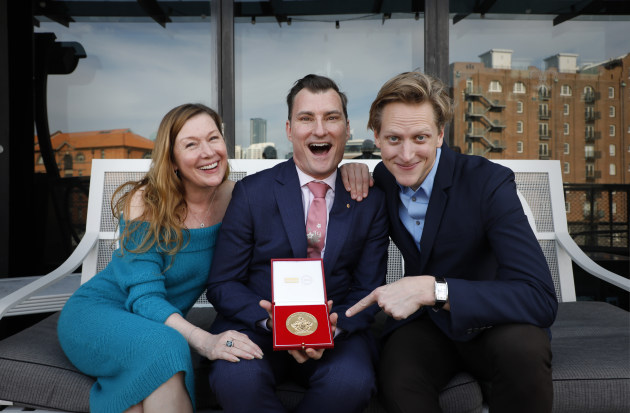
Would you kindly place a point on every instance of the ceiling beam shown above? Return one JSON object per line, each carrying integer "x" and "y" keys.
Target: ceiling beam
{"x": 153, "y": 10}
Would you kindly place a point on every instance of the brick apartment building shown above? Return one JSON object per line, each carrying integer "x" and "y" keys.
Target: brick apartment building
{"x": 579, "y": 116}
{"x": 74, "y": 151}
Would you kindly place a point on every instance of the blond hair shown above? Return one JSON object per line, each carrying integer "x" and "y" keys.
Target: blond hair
{"x": 161, "y": 190}
{"x": 413, "y": 87}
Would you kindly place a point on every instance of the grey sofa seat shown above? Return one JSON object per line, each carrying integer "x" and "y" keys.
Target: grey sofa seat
{"x": 591, "y": 358}
{"x": 591, "y": 367}
{"x": 35, "y": 373}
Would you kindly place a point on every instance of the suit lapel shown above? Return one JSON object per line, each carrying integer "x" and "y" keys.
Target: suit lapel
{"x": 289, "y": 199}
{"x": 339, "y": 220}
{"x": 437, "y": 204}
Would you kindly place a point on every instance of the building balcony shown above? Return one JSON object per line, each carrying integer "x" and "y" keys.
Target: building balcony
{"x": 544, "y": 155}
{"x": 590, "y": 136}
{"x": 544, "y": 115}
{"x": 544, "y": 135}
{"x": 476, "y": 93}
{"x": 592, "y": 156}
{"x": 544, "y": 96}
{"x": 591, "y": 97}
{"x": 593, "y": 175}
{"x": 592, "y": 116}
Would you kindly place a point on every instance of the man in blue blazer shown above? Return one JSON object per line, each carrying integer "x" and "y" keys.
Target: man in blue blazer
{"x": 266, "y": 219}
{"x": 477, "y": 293}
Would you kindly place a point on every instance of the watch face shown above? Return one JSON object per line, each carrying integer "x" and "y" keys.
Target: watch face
{"x": 441, "y": 292}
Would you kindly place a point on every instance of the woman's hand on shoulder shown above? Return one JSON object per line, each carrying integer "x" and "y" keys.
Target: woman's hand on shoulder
{"x": 231, "y": 346}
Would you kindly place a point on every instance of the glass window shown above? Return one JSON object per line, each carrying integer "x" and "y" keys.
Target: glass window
{"x": 611, "y": 92}
{"x": 612, "y": 149}
{"x": 519, "y": 106}
{"x": 121, "y": 84}
{"x": 543, "y": 129}
{"x": 519, "y": 127}
{"x": 611, "y": 130}
{"x": 589, "y": 151}
{"x": 270, "y": 57}
{"x": 566, "y": 108}
{"x": 611, "y": 111}
{"x": 565, "y": 90}
{"x": 567, "y": 206}
{"x": 567, "y": 147}
{"x": 519, "y": 87}
{"x": 543, "y": 149}
{"x": 612, "y": 169}
{"x": 519, "y": 146}
{"x": 566, "y": 128}
{"x": 495, "y": 86}
{"x": 567, "y": 168}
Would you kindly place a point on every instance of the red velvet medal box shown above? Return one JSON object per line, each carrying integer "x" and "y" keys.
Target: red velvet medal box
{"x": 300, "y": 312}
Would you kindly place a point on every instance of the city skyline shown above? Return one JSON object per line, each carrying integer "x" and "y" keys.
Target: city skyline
{"x": 112, "y": 87}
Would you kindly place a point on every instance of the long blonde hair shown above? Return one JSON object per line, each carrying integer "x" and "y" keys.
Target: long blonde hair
{"x": 162, "y": 191}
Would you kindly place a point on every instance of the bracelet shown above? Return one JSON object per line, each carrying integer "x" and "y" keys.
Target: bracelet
{"x": 192, "y": 330}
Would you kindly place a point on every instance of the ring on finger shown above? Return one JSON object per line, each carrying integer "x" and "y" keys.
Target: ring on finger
{"x": 229, "y": 343}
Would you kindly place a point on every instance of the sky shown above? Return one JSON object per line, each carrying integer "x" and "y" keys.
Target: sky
{"x": 135, "y": 72}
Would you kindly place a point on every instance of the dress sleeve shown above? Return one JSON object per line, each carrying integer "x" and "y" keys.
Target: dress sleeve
{"x": 141, "y": 277}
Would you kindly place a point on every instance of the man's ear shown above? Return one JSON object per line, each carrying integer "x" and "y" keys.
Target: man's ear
{"x": 377, "y": 142}
{"x": 288, "y": 129}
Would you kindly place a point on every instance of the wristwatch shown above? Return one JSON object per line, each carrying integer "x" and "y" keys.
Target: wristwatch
{"x": 441, "y": 293}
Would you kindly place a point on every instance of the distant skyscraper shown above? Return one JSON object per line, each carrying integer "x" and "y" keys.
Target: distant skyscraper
{"x": 257, "y": 130}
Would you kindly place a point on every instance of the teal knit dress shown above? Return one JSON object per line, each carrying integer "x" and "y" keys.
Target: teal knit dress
{"x": 112, "y": 328}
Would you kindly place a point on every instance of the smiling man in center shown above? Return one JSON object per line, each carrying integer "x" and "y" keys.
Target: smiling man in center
{"x": 266, "y": 219}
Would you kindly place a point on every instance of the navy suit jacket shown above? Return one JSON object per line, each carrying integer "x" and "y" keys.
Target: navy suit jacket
{"x": 477, "y": 236}
{"x": 265, "y": 220}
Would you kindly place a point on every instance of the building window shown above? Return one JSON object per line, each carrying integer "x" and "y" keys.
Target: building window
{"x": 612, "y": 169}
{"x": 567, "y": 168}
{"x": 543, "y": 129}
{"x": 566, "y": 128}
{"x": 519, "y": 107}
{"x": 80, "y": 157}
{"x": 519, "y": 146}
{"x": 566, "y": 109}
{"x": 519, "y": 127}
{"x": 519, "y": 87}
{"x": 613, "y": 208}
{"x": 566, "y": 148}
{"x": 543, "y": 92}
{"x": 40, "y": 160}
{"x": 612, "y": 149}
{"x": 590, "y": 132}
{"x": 102, "y": 153}
{"x": 611, "y": 92}
{"x": 495, "y": 86}
{"x": 611, "y": 112}
{"x": 469, "y": 85}
{"x": 590, "y": 173}
{"x": 567, "y": 206}
{"x": 543, "y": 149}
{"x": 611, "y": 130}
{"x": 589, "y": 151}
{"x": 565, "y": 90}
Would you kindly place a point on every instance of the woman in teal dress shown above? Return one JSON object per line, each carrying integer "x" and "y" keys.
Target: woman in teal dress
{"x": 126, "y": 325}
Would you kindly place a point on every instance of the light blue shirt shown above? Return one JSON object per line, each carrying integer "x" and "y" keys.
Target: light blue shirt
{"x": 413, "y": 205}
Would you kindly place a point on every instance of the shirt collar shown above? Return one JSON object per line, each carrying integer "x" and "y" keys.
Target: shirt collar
{"x": 427, "y": 184}
{"x": 305, "y": 179}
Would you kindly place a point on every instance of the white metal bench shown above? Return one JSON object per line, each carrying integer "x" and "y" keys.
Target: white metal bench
{"x": 540, "y": 189}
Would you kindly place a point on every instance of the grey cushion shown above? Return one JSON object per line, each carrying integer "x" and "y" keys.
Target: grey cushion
{"x": 591, "y": 367}
{"x": 34, "y": 371}
{"x": 591, "y": 358}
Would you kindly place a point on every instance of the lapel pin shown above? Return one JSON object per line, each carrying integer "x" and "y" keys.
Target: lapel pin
{"x": 347, "y": 205}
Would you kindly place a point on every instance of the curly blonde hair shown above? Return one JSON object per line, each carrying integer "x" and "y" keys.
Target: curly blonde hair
{"x": 162, "y": 192}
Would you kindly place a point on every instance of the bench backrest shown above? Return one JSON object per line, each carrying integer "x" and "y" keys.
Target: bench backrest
{"x": 539, "y": 185}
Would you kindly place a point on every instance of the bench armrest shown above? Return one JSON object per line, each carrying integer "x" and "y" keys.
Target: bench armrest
{"x": 72, "y": 263}
{"x": 588, "y": 265}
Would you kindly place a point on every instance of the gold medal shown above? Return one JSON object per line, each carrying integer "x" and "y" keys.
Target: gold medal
{"x": 301, "y": 323}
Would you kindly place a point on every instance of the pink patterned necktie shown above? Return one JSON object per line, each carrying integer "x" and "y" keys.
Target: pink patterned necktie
{"x": 316, "y": 220}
